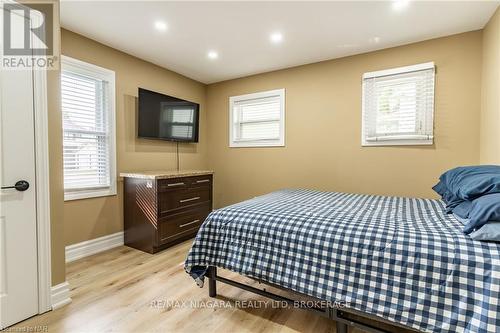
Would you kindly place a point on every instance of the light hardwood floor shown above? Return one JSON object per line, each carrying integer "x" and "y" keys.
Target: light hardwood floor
{"x": 125, "y": 290}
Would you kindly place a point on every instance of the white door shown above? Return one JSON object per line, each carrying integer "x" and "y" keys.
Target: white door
{"x": 18, "y": 238}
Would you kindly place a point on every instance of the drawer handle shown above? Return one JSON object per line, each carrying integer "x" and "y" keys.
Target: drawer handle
{"x": 175, "y": 184}
{"x": 203, "y": 181}
{"x": 189, "y": 223}
{"x": 190, "y": 199}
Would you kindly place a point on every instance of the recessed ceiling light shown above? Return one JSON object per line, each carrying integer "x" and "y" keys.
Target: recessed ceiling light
{"x": 276, "y": 37}
{"x": 375, "y": 40}
{"x": 212, "y": 55}
{"x": 400, "y": 4}
{"x": 161, "y": 26}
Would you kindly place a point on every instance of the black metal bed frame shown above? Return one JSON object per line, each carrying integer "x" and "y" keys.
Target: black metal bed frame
{"x": 334, "y": 313}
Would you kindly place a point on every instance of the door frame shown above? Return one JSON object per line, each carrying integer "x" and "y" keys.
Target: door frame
{"x": 42, "y": 190}
{"x": 40, "y": 110}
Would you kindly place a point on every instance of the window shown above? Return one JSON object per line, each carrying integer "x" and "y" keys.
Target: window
{"x": 88, "y": 110}
{"x": 398, "y": 106}
{"x": 257, "y": 120}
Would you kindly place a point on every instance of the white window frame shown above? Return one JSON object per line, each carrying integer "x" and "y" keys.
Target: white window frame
{"x": 258, "y": 143}
{"x": 87, "y": 69}
{"x": 410, "y": 140}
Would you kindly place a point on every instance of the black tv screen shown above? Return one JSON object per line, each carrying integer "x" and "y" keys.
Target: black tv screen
{"x": 167, "y": 118}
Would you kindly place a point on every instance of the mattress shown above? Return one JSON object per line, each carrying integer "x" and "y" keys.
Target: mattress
{"x": 401, "y": 259}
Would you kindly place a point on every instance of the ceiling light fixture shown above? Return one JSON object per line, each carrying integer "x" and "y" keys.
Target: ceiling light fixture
{"x": 161, "y": 26}
{"x": 212, "y": 55}
{"x": 400, "y": 4}
{"x": 276, "y": 37}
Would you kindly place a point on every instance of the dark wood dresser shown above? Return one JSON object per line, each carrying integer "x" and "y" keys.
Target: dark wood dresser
{"x": 164, "y": 208}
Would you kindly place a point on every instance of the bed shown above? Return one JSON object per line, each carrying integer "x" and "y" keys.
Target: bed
{"x": 402, "y": 260}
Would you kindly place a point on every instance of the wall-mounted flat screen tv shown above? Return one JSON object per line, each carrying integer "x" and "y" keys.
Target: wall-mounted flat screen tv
{"x": 167, "y": 118}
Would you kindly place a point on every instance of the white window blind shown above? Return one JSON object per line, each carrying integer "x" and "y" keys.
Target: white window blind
{"x": 257, "y": 119}
{"x": 398, "y": 106}
{"x": 88, "y": 130}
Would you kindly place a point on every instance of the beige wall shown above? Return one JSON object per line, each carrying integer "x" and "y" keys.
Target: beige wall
{"x": 490, "y": 102}
{"x": 91, "y": 218}
{"x": 323, "y": 126}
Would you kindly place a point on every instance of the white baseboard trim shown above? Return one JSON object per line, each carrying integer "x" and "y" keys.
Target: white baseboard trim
{"x": 60, "y": 295}
{"x": 93, "y": 246}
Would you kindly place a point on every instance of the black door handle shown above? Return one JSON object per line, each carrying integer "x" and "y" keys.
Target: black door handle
{"x": 20, "y": 185}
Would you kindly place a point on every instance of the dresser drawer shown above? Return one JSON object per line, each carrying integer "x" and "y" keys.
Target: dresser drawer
{"x": 172, "y": 201}
{"x": 181, "y": 225}
{"x": 200, "y": 181}
{"x": 173, "y": 184}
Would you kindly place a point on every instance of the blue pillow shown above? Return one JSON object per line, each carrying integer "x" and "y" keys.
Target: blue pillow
{"x": 461, "y": 219}
{"x": 452, "y": 201}
{"x": 440, "y": 188}
{"x": 483, "y": 209}
{"x": 468, "y": 183}
{"x": 462, "y": 210}
{"x": 449, "y": 198}
{"x": 488, "y": 232}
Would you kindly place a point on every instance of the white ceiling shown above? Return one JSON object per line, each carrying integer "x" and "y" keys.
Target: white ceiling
{"x": 239, "y": 31}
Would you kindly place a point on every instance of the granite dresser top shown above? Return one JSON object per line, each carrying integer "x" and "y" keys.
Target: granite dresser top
{"x": 165, "y": 174}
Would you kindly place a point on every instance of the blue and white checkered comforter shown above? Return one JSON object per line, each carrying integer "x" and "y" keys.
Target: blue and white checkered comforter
{"x": 402, "y": 259}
